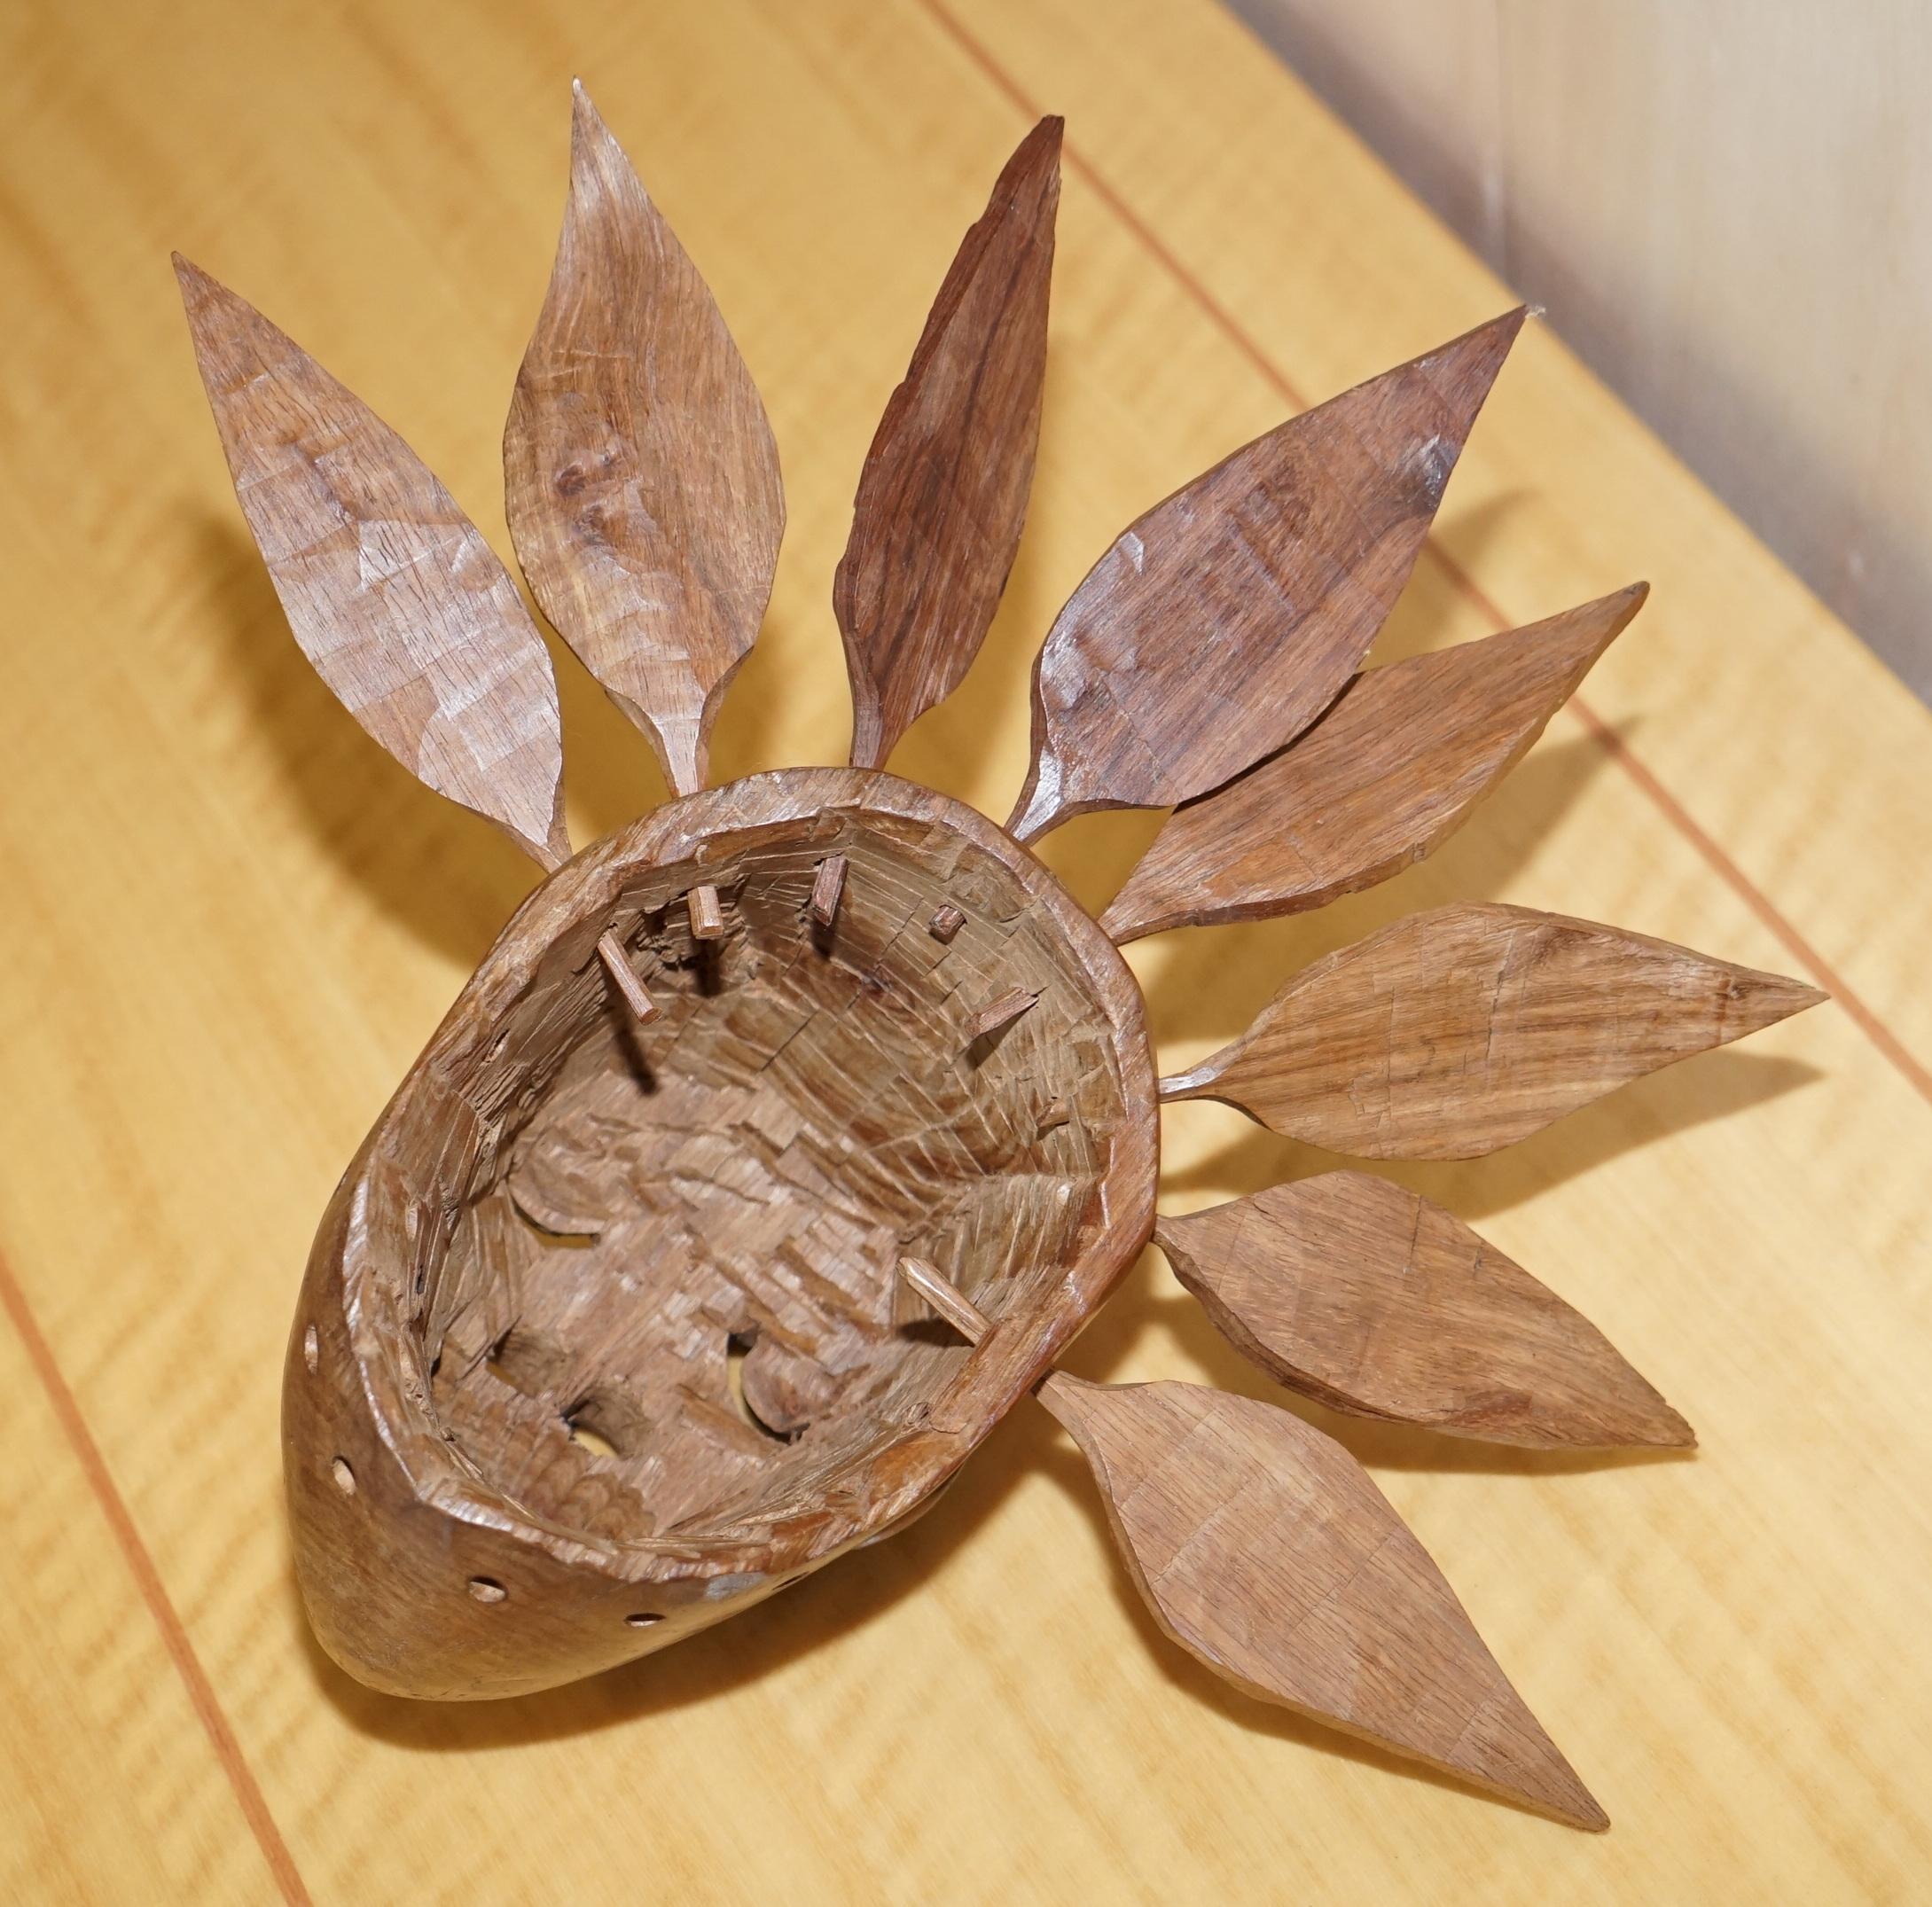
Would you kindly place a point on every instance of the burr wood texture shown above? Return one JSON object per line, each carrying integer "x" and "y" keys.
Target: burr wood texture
{"x": 1459, "y": 1030}
{"x": 1371, "y": 1299}
{"x": 603, "y": 1313}
{"x": 640, "y": 474}
{"x": 402, "y": 608}
{"x": 1222, "y": 622}
{"x": 1262, "y": 1547}
{"x": 942, "y": 497}
{"x": 1387, "y": 775}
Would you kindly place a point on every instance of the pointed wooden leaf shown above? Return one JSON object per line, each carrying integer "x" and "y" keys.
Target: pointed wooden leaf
{"x": 401, "y": 606}
{"x": 1262, "y": 1547}
{"x": 1222, "y": 622}
{"x": 943, "y": 493}
{"x": 1388, "y": 775}
{"x": 1462, "y": 1029}
{"x": 1371, "y": 1300}
{"x": 640, "y": 475}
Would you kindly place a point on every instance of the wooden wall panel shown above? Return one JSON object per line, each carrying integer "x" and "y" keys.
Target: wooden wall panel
{"x": 1723, "y": 206}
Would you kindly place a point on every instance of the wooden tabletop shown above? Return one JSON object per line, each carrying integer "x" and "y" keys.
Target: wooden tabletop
{"x": 230, "y": 923}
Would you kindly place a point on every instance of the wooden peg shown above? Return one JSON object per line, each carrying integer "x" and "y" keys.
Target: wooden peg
{"x": 1000, "y": 1012}
{"x": 707, "y": 916}
{"x": 610, "y": 950}
{"x": 946, "y": 923}
{"x": 947, "y": 1299}
{"x": 827, "y": 885}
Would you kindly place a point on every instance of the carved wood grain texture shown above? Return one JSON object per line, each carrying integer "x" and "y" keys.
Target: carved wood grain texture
{"x": 1464, "y": 1028}
{"x": 942, "y": 497}
{"x": 1372, "y": 1300}
{"x": 603, "y": 1313}
{"x": 1224, "y": 619}
{"x": 1263, "y": 1548}
{"x": 1379, "y": 782}
{"x": 640, "y": 475}
{"x": 404, "y": 610}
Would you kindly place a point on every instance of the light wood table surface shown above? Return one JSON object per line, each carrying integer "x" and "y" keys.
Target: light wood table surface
{"x": 230, "y": 923}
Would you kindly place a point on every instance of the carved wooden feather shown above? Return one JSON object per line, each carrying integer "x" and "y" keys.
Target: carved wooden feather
{"x": 942, "y": 497}
{"x": 1263, "y": 1548}
{"x": 1371, "y": 1299}
{"x": 1221, "y": 622}
{"x": 1387, "y": 775}
{"x": 640, "y": 474}
{"x": 402, "y": 608}
{"x": 1459, "y": 1030}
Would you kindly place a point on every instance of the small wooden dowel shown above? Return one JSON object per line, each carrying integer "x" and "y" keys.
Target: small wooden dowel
{"x": 827, "y": 887}
{"x": 969, "y": 1321}
{"x": 947, "y": 1299}
{"x": 999, "y": 1013}
{"x": 707, "y": 914}
{"x": 623, "y": 976}
{"x": 946, "y": 923}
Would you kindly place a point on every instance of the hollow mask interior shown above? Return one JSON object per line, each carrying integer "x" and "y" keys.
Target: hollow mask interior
{"x": 670, "y": 1297}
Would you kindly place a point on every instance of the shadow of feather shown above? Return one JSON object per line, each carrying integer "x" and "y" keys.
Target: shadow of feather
{"x": 369, "y": 815}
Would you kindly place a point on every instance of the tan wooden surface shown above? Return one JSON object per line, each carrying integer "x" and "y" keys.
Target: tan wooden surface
{"x": 231, "y": 922}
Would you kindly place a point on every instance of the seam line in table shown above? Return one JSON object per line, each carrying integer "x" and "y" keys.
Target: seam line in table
{"x": 147, "y": 1579}
{"x": 1915, "y": 1074}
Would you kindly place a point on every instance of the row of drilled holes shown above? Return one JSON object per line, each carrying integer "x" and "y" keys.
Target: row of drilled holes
{"x": 484, "y": 1589}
